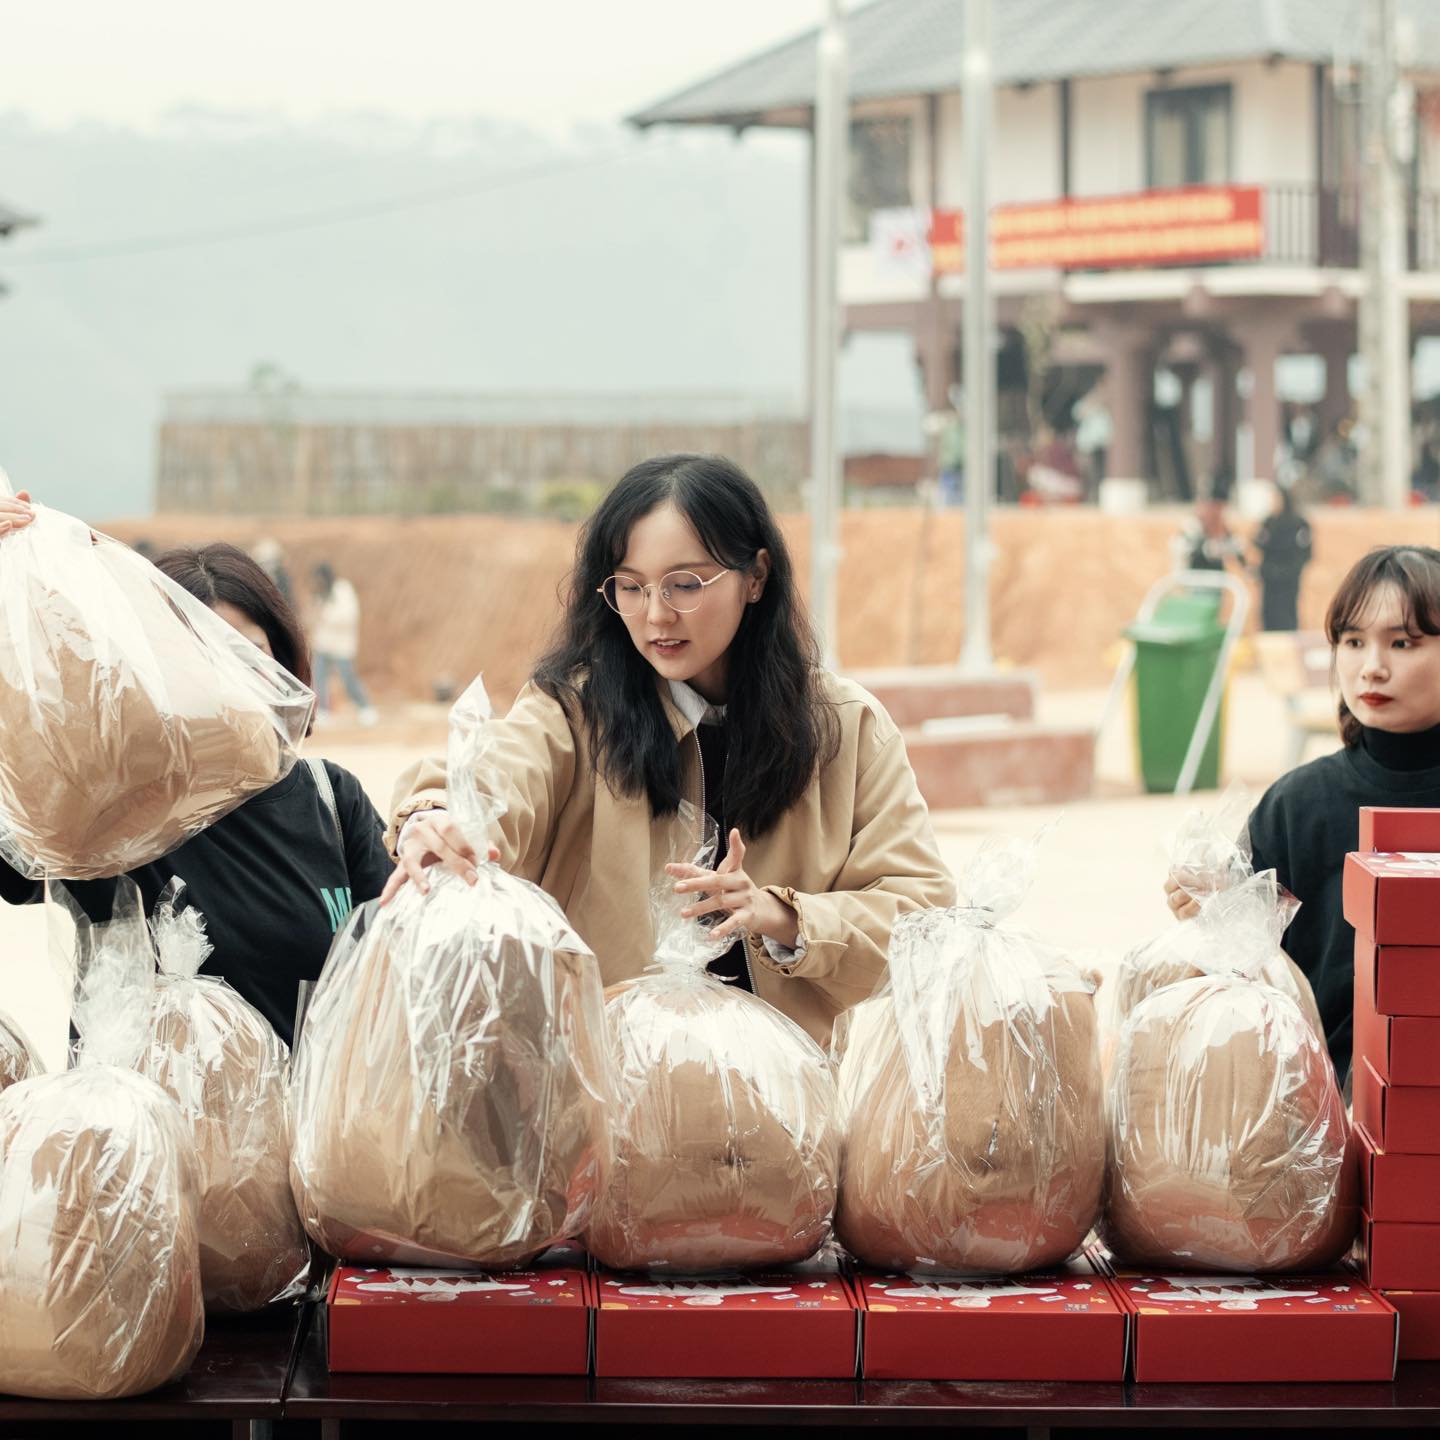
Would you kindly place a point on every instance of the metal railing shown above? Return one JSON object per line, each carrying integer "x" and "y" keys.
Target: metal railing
{"x": 1320, "y": 225}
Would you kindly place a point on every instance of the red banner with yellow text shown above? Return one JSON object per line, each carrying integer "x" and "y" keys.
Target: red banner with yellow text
{"x": 1155, "y": 227}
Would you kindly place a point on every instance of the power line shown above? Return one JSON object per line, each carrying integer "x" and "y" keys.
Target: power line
{"x": 311, "y": 220}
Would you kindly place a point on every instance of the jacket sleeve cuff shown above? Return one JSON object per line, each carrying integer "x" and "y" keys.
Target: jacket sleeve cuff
{"x": 782, "y": 959}
{"x": 422, "y": 800}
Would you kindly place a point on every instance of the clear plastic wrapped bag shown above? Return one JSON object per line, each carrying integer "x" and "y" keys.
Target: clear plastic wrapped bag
{"x": 1209, "y": 850}
{"x": 1205, "y": 860}
{"x": 100, "y": 1292}
{"x": 133, "y": 716}
{"x": 971, "y": 1092}
{"x": 1229, "y": 1147}
{"x": 451, "y": 1083}
{"x": 225, "y": 1067}
{"x": 727, "y": 1146}
{"x": 18, "y": 1057}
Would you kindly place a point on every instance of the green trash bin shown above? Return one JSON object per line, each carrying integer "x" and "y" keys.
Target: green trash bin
{"x": 1176, "y": 652}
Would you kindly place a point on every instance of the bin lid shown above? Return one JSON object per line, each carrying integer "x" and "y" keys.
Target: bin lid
{"x": 1189, "y": 606}
{"x": 1180, "y": 632}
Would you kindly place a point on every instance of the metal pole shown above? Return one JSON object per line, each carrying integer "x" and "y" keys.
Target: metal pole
{"x": 831, "y": 150}
{"x": 975, "y": 656}
{"x": 1384, "y": 307}
{"x": 1397, "y": 146}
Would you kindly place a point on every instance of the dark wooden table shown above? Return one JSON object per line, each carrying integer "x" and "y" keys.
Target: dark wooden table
{"x": 238, "y": 1379}
{"x": 1412, "y": 1401}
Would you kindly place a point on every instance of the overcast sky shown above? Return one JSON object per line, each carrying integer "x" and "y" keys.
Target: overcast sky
{"x": 550, "y": 64}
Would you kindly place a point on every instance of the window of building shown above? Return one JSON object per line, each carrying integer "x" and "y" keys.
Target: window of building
{"x": 1187, "y": 137}
{"x": 879, "y": 171}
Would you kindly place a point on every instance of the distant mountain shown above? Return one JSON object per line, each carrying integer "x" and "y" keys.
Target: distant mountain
{"x": 504, "y": 262}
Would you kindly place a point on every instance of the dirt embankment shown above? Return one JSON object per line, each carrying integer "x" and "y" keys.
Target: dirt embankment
{"x": 445, "y": 597}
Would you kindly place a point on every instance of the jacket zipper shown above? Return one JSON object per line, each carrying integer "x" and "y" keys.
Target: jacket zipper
{"x": 743, "y": 941}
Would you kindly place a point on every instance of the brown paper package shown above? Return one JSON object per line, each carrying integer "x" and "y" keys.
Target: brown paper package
{"x": 1229, "y": 1147}
{"x": 726, "y": 1140}
{"x": 499, "y": 1160}
{"x": 100, "y": 1291}
{"x": 121, "y": 759}
{"x": 1181, "y": 953}
{"x": 218, "y": 1058}
{"x": 1010, "y": 1177}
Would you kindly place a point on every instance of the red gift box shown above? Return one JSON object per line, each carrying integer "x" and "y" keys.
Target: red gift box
{"x": 1403, "y": 1049}
{"x": 1207, "y": 1328}
{"x": 1398, "y": 1255}
{"x": 1401, "y": 1119}
{"x": 1390, "y": 827}
{"x": 1398, "y": 1187}
{"x": 1419, "y": 1322}
{"x": 459, "y": 1322}
{"x": 1398, "y": 979}
{"x": 1064, "y": 1324}
{"x": 1394, "y": 899}
{"x": 801, "y": 1324}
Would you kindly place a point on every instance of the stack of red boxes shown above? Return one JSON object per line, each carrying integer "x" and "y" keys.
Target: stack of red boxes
{"x": 1392, "y": 898}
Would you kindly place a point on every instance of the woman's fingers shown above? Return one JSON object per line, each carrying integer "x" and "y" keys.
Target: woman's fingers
{"x": 399, "y": 878}
{"x": 734, "y": 855}
{"x": 15, "y": 514}
{"x": 707, "y": 905}
{"x": 738, "y": 921}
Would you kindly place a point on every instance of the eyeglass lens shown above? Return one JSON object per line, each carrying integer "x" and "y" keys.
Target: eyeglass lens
{"x": 681, "y": 590}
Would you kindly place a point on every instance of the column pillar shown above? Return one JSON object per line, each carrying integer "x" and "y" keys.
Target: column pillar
{"x": 1127, "y": 383}
{"x": 1261, "y": 347}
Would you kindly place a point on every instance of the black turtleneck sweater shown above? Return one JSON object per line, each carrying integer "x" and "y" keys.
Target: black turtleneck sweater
{"x": 1305, "y": 825}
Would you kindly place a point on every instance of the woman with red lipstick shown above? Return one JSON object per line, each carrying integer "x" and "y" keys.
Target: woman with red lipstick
{"x": 685, "y": 670}
{"x": 1384, "y": 628}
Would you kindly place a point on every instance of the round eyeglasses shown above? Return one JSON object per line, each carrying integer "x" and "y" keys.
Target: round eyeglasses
{"x": 682, "y": 590}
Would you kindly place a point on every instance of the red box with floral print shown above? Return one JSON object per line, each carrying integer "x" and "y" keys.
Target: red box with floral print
{"x": 1392, "y": 827}
{"x": 1205, "y": 1328}
{"x": 1393, "y": 899}
{"x": 430, "y": 1321}
{"x": 799, "y": 1323}
{"x": 1063, "y": 1324}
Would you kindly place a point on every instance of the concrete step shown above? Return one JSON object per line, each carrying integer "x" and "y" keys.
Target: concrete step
{"x": 915, "y": 693}
{"x": 1003, "y": 763}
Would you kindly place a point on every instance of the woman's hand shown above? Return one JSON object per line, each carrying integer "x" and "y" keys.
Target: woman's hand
{"x": 432, "y": 839}
{"x": 15, "y": 514}
{"x": 729, "y": 891}
{"x": 1183, "y": 905}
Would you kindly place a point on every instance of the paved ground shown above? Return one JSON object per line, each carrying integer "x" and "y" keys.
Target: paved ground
{"x": 1099, "y": 872}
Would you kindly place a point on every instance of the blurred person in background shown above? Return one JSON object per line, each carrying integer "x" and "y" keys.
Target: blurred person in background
{"x": 1204, "y": 542}
{"x": 1283, "y": 544}
{"x": 1093, "y": 438}
{"x": 335, "y": 639}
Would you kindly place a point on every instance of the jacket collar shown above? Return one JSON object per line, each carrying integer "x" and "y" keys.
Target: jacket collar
{"x": 686, "y": 707}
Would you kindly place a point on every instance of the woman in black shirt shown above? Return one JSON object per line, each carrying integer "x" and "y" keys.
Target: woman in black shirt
{"x": 1384, "y": 627}
{"x": 276, "y": 877}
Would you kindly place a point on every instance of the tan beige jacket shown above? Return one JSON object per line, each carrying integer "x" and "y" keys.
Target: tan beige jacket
{"x": 854, "y": 853}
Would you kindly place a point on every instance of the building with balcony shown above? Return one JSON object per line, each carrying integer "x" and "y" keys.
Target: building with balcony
{"x": 1177, "y": 192}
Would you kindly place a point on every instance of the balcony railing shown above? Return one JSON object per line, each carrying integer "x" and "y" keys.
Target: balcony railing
{"x": 1320, "y": 226}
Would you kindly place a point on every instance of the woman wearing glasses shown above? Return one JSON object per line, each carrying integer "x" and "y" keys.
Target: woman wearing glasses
{"x": 685, "y": 670}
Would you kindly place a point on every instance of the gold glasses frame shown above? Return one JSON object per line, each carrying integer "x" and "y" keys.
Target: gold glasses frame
{"x": 664, "y": 587}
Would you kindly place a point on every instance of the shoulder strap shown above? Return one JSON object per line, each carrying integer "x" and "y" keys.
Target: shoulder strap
{"x": 327, "y": 794}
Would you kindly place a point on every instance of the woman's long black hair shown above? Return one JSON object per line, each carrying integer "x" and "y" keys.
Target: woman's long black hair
{"x": 1414, "y": 570}
{"x": 780, "y": 726}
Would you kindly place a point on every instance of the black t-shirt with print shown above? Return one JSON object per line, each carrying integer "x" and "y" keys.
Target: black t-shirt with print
{"x": 272, "y": 881}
